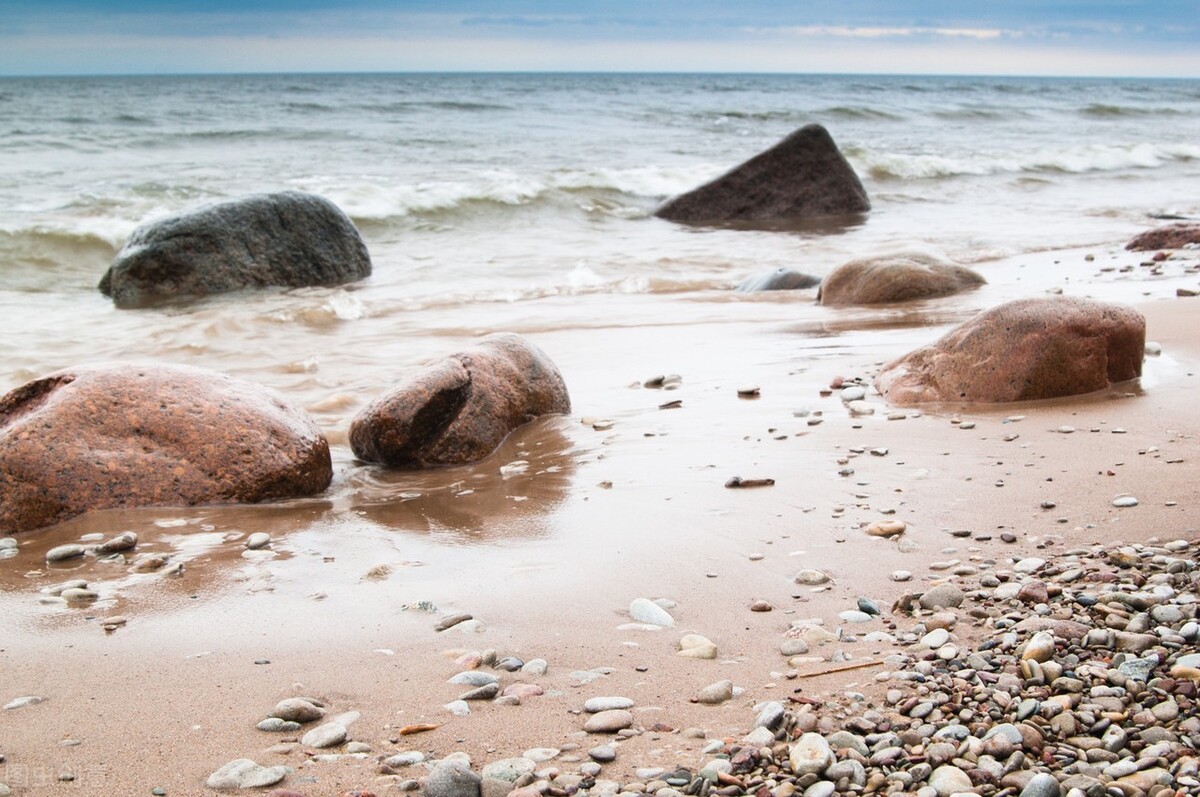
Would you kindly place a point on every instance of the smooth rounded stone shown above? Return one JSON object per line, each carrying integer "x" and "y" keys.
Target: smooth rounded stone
{"x": 297, "y": 709}
{"x": 330, "y": 734}
{"x": 535, "y": 667}
{"x": 258, "y": 540}
{"x": 694, "y": 646}
{"x": 812, "y": 578}
{"x": 472, "y": 678}
{"x": 79, "y": 595}
{"x": 887, "y": 528}
{"x": 822, "y": 788}
{"x": 902, "y": 575}
{"x": 242, "y": 773}
{"x": 781, "y": 279}
{"x": 855, "y": 616}
{"x": 811, "y": 754}
{"x": 126, "y": 540}
{"x": 183, "y": 436}
{"x": 509, "y": 664}
{"x": 9, "y": 544}
{"x": 286, "y": 239}
{"x": 603, "y": 753}
{"x": 61, "y": 553}
{"x": 277, "y": 725}
{"x": 1030, "y": 564}
{"x": 522, "y": 691}
{"x": 1043, "y": 784}
{"x": 943, "y": 596}
{"x": 759, "y": 737}
{"x": 845, "y": 740}
{"x": 935, "y": 638}
{"x": 485, "y": 692}
{"x": 803, "y": 176}
{"x": 457, "y": 410}
{"x": 1022, "y": 350}
{"x": 595, "y": 705}
{"x": 405, "y": 759}
{"x": 770, "y": 715}
{"x": 610, "y": 721}
{"x": 853, "y": 393}
{"x": 452, "y": 777}
{"x": 644, "y": 610}
{"x": 793, "y": 647}
{"x": 508, "y": 769}
{"x": 716, "y": 693}
{"x": 947, "y": 780}
{"x": 860, "y": 407}
{"x": 1125, "y": 501}
{"x": 896, "y": 277}
{"x": 5, "y": 791}
{"x": 540, "y": 755}
{"x": 458, "y": 708}
{"x": 879, "y": 637}
{"x": 714, "y": 768}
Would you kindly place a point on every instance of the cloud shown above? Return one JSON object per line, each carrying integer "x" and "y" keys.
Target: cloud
{"x": 846, "y": 32}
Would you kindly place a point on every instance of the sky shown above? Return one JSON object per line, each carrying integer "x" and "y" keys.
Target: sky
{"x": 1006, "y": 37}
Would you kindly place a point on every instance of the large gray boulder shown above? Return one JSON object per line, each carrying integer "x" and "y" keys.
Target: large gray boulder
{"x": 289, "y": 239}
{"x": 802, "y": 177}
{"x": 458, "y": 410}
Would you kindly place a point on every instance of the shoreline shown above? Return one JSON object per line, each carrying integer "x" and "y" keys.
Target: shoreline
{"x": 602, "y": 516}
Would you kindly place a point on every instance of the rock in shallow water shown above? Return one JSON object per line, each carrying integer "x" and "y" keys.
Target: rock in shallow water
{"x": 901, "y": 277}
{"x": 459, "y": 409}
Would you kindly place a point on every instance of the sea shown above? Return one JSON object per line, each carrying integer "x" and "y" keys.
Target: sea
{"x": 524, "y": 202}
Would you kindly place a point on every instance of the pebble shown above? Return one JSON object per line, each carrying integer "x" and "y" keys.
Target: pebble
{"x": 941, "y": 597}
{"x": 694, "y": 646}
{"x": 508, "y": 770}
{"x": 297, "y": 709}
{"x": 330, "y": 734}
{"x": 62, "y": 553}
{"x": 472, "y": 678}
{"x": 811, "y": 754}
{"x": 608, "y": 721}
{"x": 947, "y": 780}
{"x": 716, "y": 693}
{"x": 277, "y": 725}
{"x": 258, "y": 540}
{"x": 452, "y": 777}
{"x": 22, "y": 702}
{"x": 124, "y": 541}
{"x": 242, "y": 773}
{"x": 901, "y": 575}
{"x": 1125, "y": 501}
{"x": 644, "y": 610}
{"x": 887, "y": 528}
{"x": 446, "y": 623}
{"x": 854, "y": 616}
{"x": 853, "y": 393}
{"x": 811, "y": 577}
{"x": 596, "y": 705}
{"x": 603, "y": 753}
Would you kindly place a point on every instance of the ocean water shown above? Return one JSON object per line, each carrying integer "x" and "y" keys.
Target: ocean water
{"x": 524, "y": 202}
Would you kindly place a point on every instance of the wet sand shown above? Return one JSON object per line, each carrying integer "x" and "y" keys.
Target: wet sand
{"x": 624, "y": 499}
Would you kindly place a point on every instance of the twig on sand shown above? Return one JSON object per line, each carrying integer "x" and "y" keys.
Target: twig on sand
{"x": 856, "y": 666}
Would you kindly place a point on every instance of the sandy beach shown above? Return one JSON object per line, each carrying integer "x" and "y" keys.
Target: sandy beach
{"x": 624, "y": 499}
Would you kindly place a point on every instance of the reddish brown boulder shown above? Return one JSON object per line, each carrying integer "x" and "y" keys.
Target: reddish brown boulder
{"x": 1023, "y": 350}
{"x": 148, "y": 435}
{"x": 459, "y": 409}
{"x": 895, "y": 278}
{"x": 803, "y": 176}
{"x": 1172, "y": 236}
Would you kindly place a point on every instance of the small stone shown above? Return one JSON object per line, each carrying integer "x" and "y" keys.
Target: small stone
{"x": 297, "y": 709}
{"x": 508, "y": 769}
{"x": 330, "y": 734}
{"x": 62, "y": 553}
{"x": 124, "y": 541}
{"x": 257, "y": 540}
{"x": 902, "y": 575}
{"x": 947, "y": 780}
{"x": 277, "y": 725}
{"x": 242, "y": 773}
{"x": 716, "y": 693}
{"x": 603, "y": 754}
{"x": 811, "y": 754}
{"x": 941, "y": 597}
{"x": 1123, "y": 501}
{"x": 485, "y": 692}
{"x": 1042, "y": 784}
{"x": 811, "y": 577}
{"x": 446, "y": 623}
{"x": 853, "y": 393}
{"x": 452, "y": 777}
{"x": 596, "y": 705}
{"x": 761, "y": 606}
{"x": 644, "y": 610}
{"x": 887, "y": 528}
{"x": 1040, "y": 647}
{"x": 608, "y": 721}
{"x": 694, "y": 646}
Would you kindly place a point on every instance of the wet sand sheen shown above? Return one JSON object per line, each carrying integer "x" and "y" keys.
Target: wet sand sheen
{"x": 549, "y": 558}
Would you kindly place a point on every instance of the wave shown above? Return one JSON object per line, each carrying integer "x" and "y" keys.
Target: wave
{"x": 977, "y": 113}
{"x": 858, "y": 112}
{"x": 132, "y": 119}
{"x": 1104, "y": 111}
{"x": 406, "y": 106}
{"x": 1068, "y": 160}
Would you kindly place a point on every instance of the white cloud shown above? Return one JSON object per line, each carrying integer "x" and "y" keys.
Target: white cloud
{"x": 847, "y": 32}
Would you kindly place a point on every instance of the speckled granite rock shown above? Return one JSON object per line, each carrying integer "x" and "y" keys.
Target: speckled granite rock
{"x": 1172, "y": 236}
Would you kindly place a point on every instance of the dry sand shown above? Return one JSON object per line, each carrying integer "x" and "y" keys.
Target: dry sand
{"x": 549, "y": 559}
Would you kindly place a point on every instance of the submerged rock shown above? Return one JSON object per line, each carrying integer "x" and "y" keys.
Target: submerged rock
{"x": 459, "y": 409}
{"x": 1172, "y": 236}
{"x": 803, "y": 176}
{"x": 895, "y": 278}
{"x": 1023, "y": 350}
{"x": 100, "y": 437}
{"x": 781, "y": 279}
{"x": 287, "y": 239}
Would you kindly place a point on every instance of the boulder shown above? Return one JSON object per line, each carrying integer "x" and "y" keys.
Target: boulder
{"x": 804, "y": 176}
{"x": 287, "y": 239}
{"x": 101, "y": 437}
{"x": 1172, "y": 236}
{"x": 459, "y": 409}
{"x": 895, "y": 278}
{"x": 1023, "y": 350}
{"x": 781, "y": 279}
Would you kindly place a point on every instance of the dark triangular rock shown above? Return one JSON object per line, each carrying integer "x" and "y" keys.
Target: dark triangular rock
{"x": 803, "y": 176}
